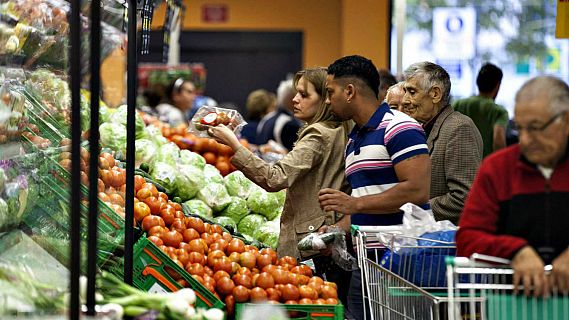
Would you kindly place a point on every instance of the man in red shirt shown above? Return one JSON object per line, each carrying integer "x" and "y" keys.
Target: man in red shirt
{"x": 518, "y": 206}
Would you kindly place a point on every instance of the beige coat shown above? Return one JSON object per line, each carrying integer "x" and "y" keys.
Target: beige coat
{"x": 316, "y": 162}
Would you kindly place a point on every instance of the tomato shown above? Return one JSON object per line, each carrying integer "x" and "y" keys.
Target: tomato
{"x": 142, "y": 194}
{"x": 241, "y": 293}
{"x": 198, "y": 279}
{"x": 117, "y": 199}
{"x": 302, "y": 279}
{"x": 264, "y": 280}
{"x": 172, "y": 238}
{"x": 215, "y": 228}
{"x": 195, "y": 269}
{"x": 151, "y": 187}
{"x": 195, "y": 223}
{"x": 236, "y": 245}
{"x": 223, "y": 167}
{"x": 247, "y": 259}
{"x": 190, "y": 234}
{"x": 243, "y": 280}
{"x": 151, "y": 221}
{"x": 223, "y": 264}
{"x": 263, "y": 260}
{"x": 273, "y": 294}
{"x": 162, "y": 195}
{"x": 305, "y": 301}
{"x": 196, "y": 257}
{"x": 196, "y": 246}
{"x": 230, "y": 304}
{"x": 138, "y": 182}
{"x": 152, "y": 202}
{"x": 104, "y": 197}
{"x": 168, "y": 215}
{"x": 234, "y": 257}
{"x": 258, "y": 294}
{"x": 157, "y": 231}
{"x": 214, "y": 255}
{"x": 103, "y": 163}
{"x": 156, "y": 240}
{"x": 220, "y": 274}
{"x": 183, "y": 256}
{"x": 207, "y": 238}
{"x": 308, "y": 292}
{"x": 331, "y": 301}
{"x": 280, "y": 276}
{"x": 329, "y": 292}
{"x": 178, "y": 225}
{"x": 110, "y": 159}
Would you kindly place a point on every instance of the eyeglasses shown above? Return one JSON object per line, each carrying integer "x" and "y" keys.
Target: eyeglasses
{"x": 534, "y": 129}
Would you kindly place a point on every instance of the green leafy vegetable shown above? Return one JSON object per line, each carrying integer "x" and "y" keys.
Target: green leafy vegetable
{"x": 251, "y": 223}
{"x": 236, "y": 210}
{"x": 196, "y": 206}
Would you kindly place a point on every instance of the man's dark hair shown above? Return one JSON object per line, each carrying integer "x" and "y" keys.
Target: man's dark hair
{"x": 356, "y": 67}
{"x": 488, "y": 77}
{"x": 386, "y": 79}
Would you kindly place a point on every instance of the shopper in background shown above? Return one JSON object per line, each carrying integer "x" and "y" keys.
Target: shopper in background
{"x": 387, "y": 161}
{"x": 519, "y": 203}
{"x": 386, "y": 80}
{"x": 180, "y": 96}
{"x": 280, "y": 125}
{"x": 490, "y": 119}
{"x": 455, "y": 145}
{"x": 315, "y": 162}
{"x": 259, "y": 103}
{"x": 394, "y": 96}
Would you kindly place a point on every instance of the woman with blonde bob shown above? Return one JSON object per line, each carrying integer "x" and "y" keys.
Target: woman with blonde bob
{"x": 315, "y": 162}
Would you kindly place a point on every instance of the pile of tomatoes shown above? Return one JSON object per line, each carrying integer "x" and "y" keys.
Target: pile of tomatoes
{"x": 111, "y": 185}
{"x": 226, "y": 266}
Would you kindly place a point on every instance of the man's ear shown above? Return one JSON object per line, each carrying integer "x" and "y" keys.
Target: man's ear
{"x": 350, "y": 90}
{"x": 436, "y": 94}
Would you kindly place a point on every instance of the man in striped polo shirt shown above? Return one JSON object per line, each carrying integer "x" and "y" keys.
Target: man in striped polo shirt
{"x": 387, "y": 159}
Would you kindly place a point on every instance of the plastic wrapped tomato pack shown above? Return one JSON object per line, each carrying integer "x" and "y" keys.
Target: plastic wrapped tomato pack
{"x": 208, "y": 117}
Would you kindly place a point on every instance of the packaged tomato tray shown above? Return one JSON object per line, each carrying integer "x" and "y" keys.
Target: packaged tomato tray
{"x": 208, "y": 117}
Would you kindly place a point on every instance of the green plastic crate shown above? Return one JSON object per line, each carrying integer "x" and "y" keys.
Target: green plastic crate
{"x": 151, "y": 267}
{"x": 304, "y": 311}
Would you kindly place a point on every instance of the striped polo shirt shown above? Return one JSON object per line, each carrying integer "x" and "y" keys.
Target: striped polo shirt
{"x": 388, "y": 138}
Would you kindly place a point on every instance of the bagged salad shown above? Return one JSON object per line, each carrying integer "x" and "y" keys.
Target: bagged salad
{"x": 208, "y": 117}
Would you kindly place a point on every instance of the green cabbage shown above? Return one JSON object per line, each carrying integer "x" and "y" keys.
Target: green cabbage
{"x": 264, "y": 203}
{"x": 168, "y": 153}
{"x": 155, "y": 135}
{"x": 113, "y": 136}
{"x": 215, "y": 196}
{"x": 225, "y": 222}
{"x": 192, "y": 158}
{"x": 251, "y": 223}
{"x": 119, "y": 116}
{"x": 238, "y": 185}
{"x": 104, "y": 114}
{"x": 236, "y": 210}
{"x": 145, "y": 150}
{"x": 212, "y": 175}
{"x": 199, "y": 207}
{"x": 164, "y": 173}
{"x": 189, "y": 180}
{"x": 268, "y": 236}
{"x": 281, "y": 197}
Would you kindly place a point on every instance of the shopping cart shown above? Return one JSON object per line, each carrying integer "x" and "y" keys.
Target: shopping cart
{"x": 402, "y": 280}
{"x": 486, "y": 283}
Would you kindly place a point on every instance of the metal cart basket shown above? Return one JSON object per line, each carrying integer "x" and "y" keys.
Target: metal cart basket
{"x": 402, "y": 277}
{"x": 481, "y": 287}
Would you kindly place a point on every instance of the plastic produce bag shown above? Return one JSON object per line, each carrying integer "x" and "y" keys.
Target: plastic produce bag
{"x": 191, "y": 158}
{"x": 335, "y": 239}
{"x": 215, "y": 196}
{"x": 207, "y": 117}
{"x": 225, "y": 222}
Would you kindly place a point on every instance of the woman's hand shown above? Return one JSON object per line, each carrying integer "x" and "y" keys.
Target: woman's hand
{"x": 224, "y": 135}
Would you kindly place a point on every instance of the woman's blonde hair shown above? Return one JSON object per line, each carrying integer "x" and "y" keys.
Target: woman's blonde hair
{"x": 317, "y": 77}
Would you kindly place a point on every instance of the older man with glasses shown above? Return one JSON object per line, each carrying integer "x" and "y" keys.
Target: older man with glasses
{"x": 518, "y": 207}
